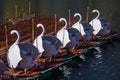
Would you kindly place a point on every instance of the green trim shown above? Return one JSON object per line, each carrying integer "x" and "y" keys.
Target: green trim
{"x": 69, "y": 59}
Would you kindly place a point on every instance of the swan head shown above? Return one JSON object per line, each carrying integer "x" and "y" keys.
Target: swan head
{"x": 77, "y": 14}
{"x": 95, "y": 10}
{"x": 63, "y": 19}
{"x": 41, "y": 25}
{"x": 98, "y": 13}
{"x": 17, "y": 33}
{"x": 13, "y": 31}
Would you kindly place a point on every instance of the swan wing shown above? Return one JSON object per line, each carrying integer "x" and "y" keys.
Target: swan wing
{"x": 76, "y": 26}
{"x": 3, "y": 67}
{"x": 63, "y": 36}
{"x": 79, "y": 27}
{"x": 28, "y": 49}
{"x": 38, "y": 43}
{"x": 14, "y": 56}
{"x": 96, "y": 26}
{"x": 54, "y": 40}
{"x": 82, "y": 30}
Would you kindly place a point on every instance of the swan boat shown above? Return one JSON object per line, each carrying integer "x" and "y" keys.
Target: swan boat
{"x": 42, "y": 70}
{"x": 65, "y": 57}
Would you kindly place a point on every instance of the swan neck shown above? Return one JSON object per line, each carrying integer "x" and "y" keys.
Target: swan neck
{"x": 63, "y": 19}
{"x": 43, "y": 29}
{"x": 65, "y": 24}
{"x": 18, "y": 38}
{"x": 80, "y": 17}
{"x": 98, "y": 14}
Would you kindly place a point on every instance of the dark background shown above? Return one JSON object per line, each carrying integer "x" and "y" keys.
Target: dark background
{"x": 60, "y": 7}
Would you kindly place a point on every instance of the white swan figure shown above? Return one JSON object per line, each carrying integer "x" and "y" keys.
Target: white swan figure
{"x": 63, "y": 34}
{"x": 83, "y": 27}
{"x": 78, "y": 25}
{"x": 38, "y": 41}
{"x": 21, "y": 55}
{"x": 69, "y": 37}
{"x": 100, "y": 26}
{"x": 47, "y": 45}
{"x": 13, "y": 54}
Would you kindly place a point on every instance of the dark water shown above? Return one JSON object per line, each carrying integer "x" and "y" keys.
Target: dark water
{"x": 105, "y": 65}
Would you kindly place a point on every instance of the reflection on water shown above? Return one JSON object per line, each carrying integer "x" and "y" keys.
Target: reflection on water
{"x": 103, "y": 66}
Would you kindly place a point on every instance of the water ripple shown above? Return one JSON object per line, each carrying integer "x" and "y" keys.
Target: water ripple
{"x": 105, "y": 65}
